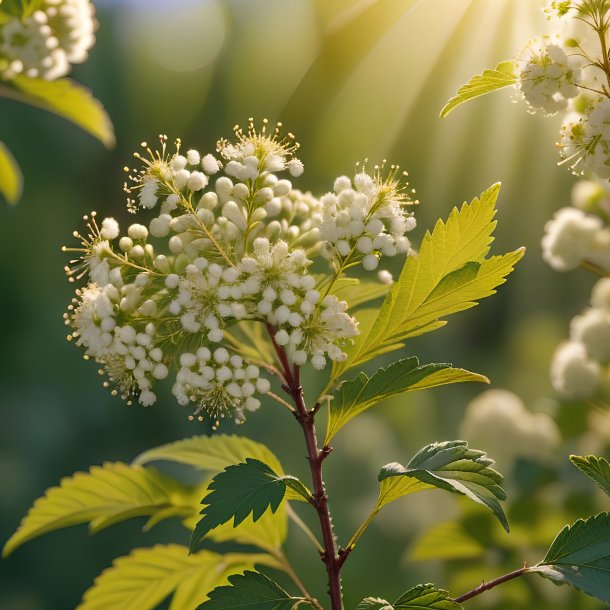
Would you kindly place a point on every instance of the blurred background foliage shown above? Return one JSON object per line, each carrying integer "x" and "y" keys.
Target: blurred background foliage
{"x": 352, "y": 79}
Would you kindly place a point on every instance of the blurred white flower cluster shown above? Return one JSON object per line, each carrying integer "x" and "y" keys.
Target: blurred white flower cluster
{"x": 227, "y": 240}
{"x": 580, "y": 367}
{"x": 569, "y": 72}
{"x": 45, "y": 42}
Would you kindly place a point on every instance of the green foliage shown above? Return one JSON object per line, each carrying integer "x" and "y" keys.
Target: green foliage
{"x": 69, "y": 100}
{"x": 454, "y": 467}
{"x": 146, "y": 577}
{"x": 446, "y": 541}
{"x": 504, "y": 75}
{"x": 213, "y": 453}
{"x": 251, "y": 591}
{"x": 580, "y": 556}
{"x": 238, "y": 491}
{"x": 421, "y": 596}
{"x": 357, "y": 292}
{"x": 450, "y": 274}
{"x": 596, "y": 468}
{"x": 11, "y": 179}
{"x": 363, "y": 392}
{"x": 102, "y": 497}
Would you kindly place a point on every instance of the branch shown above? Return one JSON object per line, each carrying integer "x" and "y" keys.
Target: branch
{"x": 486, "y": 586}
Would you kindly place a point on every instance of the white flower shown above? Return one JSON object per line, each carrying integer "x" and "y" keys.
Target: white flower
{"x": 569, "y": 238}
{"x": 600, "y": 295}
{"x": 110, "y": 228}
{"x": 573, "y": 374}
{"x": 592, "y": 329}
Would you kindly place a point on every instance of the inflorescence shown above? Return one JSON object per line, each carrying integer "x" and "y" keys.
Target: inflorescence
{"x": 227, "y": 241}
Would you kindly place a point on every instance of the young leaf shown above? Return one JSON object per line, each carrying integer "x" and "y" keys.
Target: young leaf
{"x": 103, "y": 496}
{"x": 580, "y": 556}
{"x": 69, "y": 100}
{"x": 213, "y": 453}
{"x": 251, "y": 591}
{"x": 11, "y": 179}
{"x": 238, "y": 491}
{"x": 363, "y": 392}
{"x": 455, "y": 467}
{"x": 421, "y": 596}
{"x": 450, "y": 274}
{"x": 146, "y": 577}
{"x": 504, "y": 75}
{"x": 595, "y": 468}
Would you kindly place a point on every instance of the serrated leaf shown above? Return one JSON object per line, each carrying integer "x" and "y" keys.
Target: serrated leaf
{"x": 212, "y": 453}
{"x": 580, "y": 556}
{"x": 11, "y": 179}
{"x": 69, "y": 100}
{"x": 450, "y": 274}
{"x": 454, "y": 467}
{"x": 103, "y": 496}
{"x": 363, "y": 392}
{"x": 504, "y": 75}
{"x": 251, "y": 591}
{"x": 421, "y": 596}
{"x": 596, "y": 468}
{"x": 251, "y": 487}
{"x": 146, "y": 577}
{"x": 446, "y": 541}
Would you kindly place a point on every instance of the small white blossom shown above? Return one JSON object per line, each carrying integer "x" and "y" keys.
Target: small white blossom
{"x": 573, "y": 374}
{"x": 592, "y": 329}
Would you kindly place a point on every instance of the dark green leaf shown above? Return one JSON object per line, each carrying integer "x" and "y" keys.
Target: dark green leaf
{"x": 421, "y": 596}
{"x": 251, "y": 591}
{"x": 251, "y": 487}
{"x": 455, "y": 467}
{"x": 580, "y": 556}
{"x": 363, "y": 392}
{"x": 491, "y": 80}
{"x": 11, "y": 180}
{"x": 69, "y": 100}
{"x": 595, "y": 468}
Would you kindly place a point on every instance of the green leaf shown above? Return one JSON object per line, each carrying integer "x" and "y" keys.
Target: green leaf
{"x": 250, "y": 339}
{"x": 247, "y": 488}
{"x": 363, "y": 392}
{"x": 11, "y": 179}
{"x": 491, "y": 80}
{"x": 102, "y": 497}
{"x": 446, "y": 541}
{"x": 212, "y": 453}
{"x": 596, "y": 468}
{"x": 421, "y": 596}
{"x": 251, "y": 591}
{"x": 359, "y": 292}
{"x": 580, "y": 556}
{"x": 69, "y": 100}
{"x": 146, "y": 577}
{"x": 450, "y": 274}
{"x": 454, "y": 467}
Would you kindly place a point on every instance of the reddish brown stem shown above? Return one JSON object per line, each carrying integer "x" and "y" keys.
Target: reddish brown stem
{"x": 315, "y": 457}
{"x": 486, "y": 586}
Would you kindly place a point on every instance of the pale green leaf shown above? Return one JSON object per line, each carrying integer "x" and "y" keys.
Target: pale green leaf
{"x": 251, "y": 591}
{"x": 212, "y": 453}
{"x": 103, "y": 496}
{"x": 69, "y": 100}
{"x": 363, "y": 392}
{"x": 11, "y": 179}
{"x": 580, "y": 556}
{"x": 146, "y": 577}
{"x": 248, "y": 488}
{"x": 359, "y": 292}
{"x": 421, "y": 596}
{"x": 504, "y": 75}
{"x": 596, "y": 468}
{"x": 445, "y": 542}
{"x": 450, "y": 274}
{"x": 251, "y": 340}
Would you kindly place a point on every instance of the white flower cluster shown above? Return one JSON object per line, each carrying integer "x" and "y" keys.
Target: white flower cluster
{"x": 363, "y": 220}
{"x": 227, "y": 242}
{"x": 46, "y": 43}
{"x": 574, "y": 237}
{"x": 580, "y": 366}
{"x": 548, "y": 77}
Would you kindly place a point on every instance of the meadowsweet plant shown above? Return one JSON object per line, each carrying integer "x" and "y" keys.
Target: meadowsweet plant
{"x": 40, "y": 40}
{"x": 230, "y": 285}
